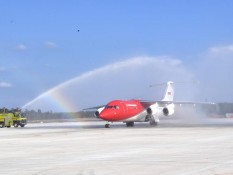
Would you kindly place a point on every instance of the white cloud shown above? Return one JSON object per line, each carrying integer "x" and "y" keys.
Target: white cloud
{"x": 22, "y": 47}
{"x": 5, "y": 85}
{"x": 50, "y": 44}
{"x": 221, "y": 49}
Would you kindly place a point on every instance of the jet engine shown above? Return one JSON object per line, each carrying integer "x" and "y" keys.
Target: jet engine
{"x": 169, "y": 109}
{"x": 160, "y": 111}
{"x": 97, "y": 113}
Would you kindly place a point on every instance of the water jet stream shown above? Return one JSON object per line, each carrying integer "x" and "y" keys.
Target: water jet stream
{"x": 121, "y": 80}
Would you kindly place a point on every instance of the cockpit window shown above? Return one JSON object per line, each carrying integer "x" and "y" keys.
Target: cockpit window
{"x": 112, "y": 107}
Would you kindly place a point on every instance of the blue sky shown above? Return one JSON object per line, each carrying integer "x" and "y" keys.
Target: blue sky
{"x": 40, "y": 46}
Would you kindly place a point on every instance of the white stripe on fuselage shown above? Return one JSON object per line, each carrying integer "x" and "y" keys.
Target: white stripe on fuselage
{"x": 137, "y": 118}
{"x": 131, "y": 105}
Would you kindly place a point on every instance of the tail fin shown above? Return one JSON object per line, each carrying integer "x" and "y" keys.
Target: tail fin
{"x": 169, "y": 92}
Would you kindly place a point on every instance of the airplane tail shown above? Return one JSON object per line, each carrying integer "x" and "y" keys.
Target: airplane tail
{"x": 169, "y": 92}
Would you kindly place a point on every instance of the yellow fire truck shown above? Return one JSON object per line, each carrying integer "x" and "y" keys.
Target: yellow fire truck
{"x": 12, "y": 117}
{"x": 6, "y": 120}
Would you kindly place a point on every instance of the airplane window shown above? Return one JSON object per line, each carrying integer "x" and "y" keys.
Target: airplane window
{"x": 110, "y": 107}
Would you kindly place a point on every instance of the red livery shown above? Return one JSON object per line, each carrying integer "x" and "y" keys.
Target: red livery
{"x": 130, "y": 111}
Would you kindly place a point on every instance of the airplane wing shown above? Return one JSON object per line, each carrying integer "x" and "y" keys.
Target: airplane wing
{"x": 160, "y": 103}
{"x": 175, "y": 102}
{"x": 182, "y": 103}
{"x": 93, "y": 108}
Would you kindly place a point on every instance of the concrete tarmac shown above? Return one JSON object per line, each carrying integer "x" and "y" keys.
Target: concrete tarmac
{"x": 87, "y": 148}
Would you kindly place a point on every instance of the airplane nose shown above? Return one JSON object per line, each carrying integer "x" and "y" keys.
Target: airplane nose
{"x": 107, "y": 115}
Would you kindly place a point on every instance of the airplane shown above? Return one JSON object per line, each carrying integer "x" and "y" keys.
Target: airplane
{"x": 130, "y": 111}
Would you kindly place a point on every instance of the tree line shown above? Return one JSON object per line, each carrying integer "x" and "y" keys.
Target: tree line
{"x": 33, "y": 115}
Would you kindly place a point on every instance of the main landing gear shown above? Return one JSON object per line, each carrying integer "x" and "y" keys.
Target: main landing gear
{"x": 154, "y": 121}
{"x": 130, "y": 124}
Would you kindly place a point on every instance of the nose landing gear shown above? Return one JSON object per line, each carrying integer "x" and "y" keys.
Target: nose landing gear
{"x": 107, "y": 125}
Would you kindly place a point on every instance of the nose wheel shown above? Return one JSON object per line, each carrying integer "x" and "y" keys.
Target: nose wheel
{"x": 107, "y": 125}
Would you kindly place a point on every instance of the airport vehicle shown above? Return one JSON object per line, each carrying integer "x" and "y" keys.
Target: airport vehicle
{"x": 130, "y": 111}
{"x": 6, "y": 120}
{"x": 12, "y": 117}
{"x": 18, "y": 119}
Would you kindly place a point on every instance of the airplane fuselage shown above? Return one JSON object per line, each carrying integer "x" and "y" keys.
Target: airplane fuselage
{"x": 124, "y": 110}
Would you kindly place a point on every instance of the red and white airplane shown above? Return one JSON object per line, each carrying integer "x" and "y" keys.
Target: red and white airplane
{"x": 130, "y": 111}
